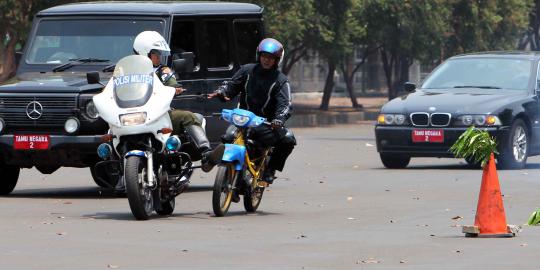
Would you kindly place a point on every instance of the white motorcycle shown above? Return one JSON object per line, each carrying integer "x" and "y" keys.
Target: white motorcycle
{"x": 135, "y": 104}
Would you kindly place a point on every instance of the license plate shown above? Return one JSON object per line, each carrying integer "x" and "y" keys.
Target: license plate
{"x": 428, "y": 135}
{"x": 31, "y": 142}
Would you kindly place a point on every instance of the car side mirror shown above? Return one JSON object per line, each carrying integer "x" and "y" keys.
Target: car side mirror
{"x": 409, "y": 87}
{"x": 184, "y": 63}
{"x": 18, "y": 56}
{"x": 93, "y": 77}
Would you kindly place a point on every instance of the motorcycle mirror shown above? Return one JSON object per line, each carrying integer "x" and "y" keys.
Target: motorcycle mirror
{"x": 409, "y": 87}
{"x": 93, "y": 77}
{"x": 184, "y": 62}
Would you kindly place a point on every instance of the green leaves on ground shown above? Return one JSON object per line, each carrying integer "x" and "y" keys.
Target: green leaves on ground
{"x": 534, "y": 219}
{"x": 476, "y": 145}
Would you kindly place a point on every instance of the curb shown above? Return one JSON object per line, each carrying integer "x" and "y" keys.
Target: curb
{"x": 330, "y": 118}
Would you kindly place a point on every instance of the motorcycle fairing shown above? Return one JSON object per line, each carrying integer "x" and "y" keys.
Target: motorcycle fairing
{"x": 236, "y": 154}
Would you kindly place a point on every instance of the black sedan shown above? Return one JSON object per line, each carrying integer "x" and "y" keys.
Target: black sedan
{"x": 496, "y": 91}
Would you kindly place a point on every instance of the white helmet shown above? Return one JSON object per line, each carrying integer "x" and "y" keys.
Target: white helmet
{"x": 150, "y": 40}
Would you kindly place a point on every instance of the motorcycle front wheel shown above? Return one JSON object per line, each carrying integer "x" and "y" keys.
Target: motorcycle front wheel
{"x": 139, "y": 195}
{"x": 223, "y": 189}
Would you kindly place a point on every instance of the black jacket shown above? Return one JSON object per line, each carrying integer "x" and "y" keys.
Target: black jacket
{"x": 266, "y": 93}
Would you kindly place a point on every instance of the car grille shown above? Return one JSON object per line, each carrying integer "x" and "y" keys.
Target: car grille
{"x": 54, "y": 114}
{"x": 440, "y": 119}
{"x": 423, "y": 119}
{"x": 420, "y": 119}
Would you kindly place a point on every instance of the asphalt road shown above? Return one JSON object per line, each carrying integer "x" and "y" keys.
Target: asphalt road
{"x": 335, "y": 207}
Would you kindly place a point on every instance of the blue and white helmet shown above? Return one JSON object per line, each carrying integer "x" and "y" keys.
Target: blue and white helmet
{"x": 271, "y": 46}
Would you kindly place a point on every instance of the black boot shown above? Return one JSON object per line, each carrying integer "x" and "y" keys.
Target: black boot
{"x": 209, "y": 158}
{"x": 212, "y": 158}
{"x": 267, "y": 177}
{"x": 198, "y": 138}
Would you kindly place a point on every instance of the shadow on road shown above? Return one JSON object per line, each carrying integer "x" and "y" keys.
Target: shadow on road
{"x": 81, "y": 192}
{"x": 533, "y": 166}
{"x": 197, "y": 215}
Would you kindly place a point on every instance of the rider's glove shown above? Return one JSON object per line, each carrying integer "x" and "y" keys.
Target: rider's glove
{"x": 221, "y": 94}
{"x": 276, "y": 123}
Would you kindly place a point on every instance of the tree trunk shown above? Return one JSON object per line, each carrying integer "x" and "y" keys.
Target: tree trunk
{"x": 388, "y": 66}
{"x": 348, "y": 75}
{"x": 328, "y": 86}
{"x": 292, "y": 57}
{"x": 531, "y": 38}
{"x": 350, "y": 89}
{"x": 8, "y": 61}
{"x": 401, "y": 74}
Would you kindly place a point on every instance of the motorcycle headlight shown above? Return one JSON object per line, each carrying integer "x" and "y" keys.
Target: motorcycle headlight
{"x": 478, "y": 120}
{"x": 391, "y": 119}
{"x": 173, "y": 143}
{"x": 132, "y": 119}
{"x": 240, "y": 120}
{"x": 104, "y": 151}
{"x": 91, "y": 110}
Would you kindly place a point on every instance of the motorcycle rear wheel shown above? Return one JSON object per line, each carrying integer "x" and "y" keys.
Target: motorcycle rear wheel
{"x": 223, "y": 189}
{"x": 139, "y": 197}
{"x": 252, "y": 196}
{"x": 167, "y": 207}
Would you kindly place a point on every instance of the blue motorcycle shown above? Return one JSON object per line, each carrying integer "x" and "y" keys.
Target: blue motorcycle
{"x": 243, "y": 165}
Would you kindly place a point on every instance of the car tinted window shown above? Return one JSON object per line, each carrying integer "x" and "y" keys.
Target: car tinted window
{"x": 184, "y": 39}
{"x": 247, "y": 36}
{"x": 216, "y": 44}
{"x": 57, "y": 41}
{"x": 502, "y": 73}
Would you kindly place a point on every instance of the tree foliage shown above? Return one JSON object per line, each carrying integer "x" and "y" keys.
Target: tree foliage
{"x": 485, "y": 25}
{"x": 333, "y": 40}
{"x": 15, "y": 22}
{"x": 400, "y": 31}
{"x": 290, "y": 22}
{"x": 405, "y": 31}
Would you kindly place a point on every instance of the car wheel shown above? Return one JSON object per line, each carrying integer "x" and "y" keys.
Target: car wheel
{"x": 395, "y": 161}
{"x": 103, "y": 178}
{"x": 10, "y": 175}
{"x": 515, "y": 147}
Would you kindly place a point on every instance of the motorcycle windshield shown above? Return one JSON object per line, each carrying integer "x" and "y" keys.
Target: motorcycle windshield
{"x": 133, "y": 80}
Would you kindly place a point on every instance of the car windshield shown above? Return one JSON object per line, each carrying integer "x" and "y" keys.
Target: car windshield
{"x": 58, "y": 41}
{"x": 133, "y": 79}
{"x": 481, "y": 73}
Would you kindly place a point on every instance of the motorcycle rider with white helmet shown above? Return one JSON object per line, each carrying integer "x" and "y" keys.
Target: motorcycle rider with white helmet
{"x": 153, "y": 45}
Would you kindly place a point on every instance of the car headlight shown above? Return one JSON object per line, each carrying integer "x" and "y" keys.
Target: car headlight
{"x": 391, "y": 119}
{"x": 132, "y": 119}
{"x": 91, "y": 110}
{"x": 478, "y": 120}
{"x": 71, "y": 125}
{"x": 240, "y": 120}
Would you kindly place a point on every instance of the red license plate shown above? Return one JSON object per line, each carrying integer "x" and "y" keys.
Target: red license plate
{"x": 31, "y": 142}
{"x": 428, "y": 135}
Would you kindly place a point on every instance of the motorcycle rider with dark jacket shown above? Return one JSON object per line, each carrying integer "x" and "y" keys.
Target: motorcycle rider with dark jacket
{"x": 265, "y": 91}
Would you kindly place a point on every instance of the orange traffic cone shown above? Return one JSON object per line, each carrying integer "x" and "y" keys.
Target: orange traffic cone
{"x": 490, "y": 218}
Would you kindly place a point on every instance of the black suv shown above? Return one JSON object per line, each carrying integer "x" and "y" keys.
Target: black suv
{"x": 47, "y": 117}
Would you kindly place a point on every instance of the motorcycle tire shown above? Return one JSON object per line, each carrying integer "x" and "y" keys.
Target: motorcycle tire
{"x": 139, "y": 198}
{"x": 252, "y": 196}
{"x": 167, "y": 207}
{"x": 223, "y": 190}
